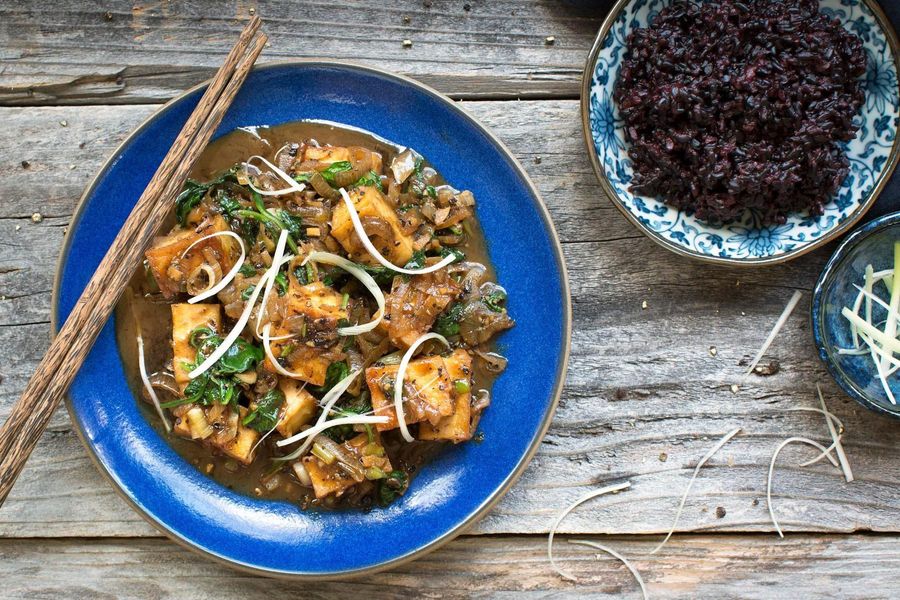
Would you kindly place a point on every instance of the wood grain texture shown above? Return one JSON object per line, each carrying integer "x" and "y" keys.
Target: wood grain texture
{"x": 719, "y": 567}
{"x": 30, "y": 415}
{"x": 70, "y": 52}
{"x": 642, "y": 382}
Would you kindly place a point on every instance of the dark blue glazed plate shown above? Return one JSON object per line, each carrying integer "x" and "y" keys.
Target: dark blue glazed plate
{"x": 872, "y": 244}
{"x": 464, "y": 482}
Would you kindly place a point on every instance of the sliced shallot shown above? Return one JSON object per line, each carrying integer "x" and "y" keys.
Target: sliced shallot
{"x": 292, "y": 188}
{"x": 212, "y": 291}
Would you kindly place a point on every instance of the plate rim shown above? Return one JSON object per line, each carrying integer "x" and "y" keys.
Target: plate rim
{"x": 613, "y": 197}
{"x": 521, "y": 465}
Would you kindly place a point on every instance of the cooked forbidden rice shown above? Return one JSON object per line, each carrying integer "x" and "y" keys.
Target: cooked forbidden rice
{"x": 732, "y": 105}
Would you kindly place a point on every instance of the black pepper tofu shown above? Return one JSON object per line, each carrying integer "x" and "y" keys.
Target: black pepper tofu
{"x": 331, "y": 479}
{"x": 171, "y": 263}
{"x": 298, "y": 408}
{"x": 426, "y": 392}
{"x": 320, "y": 308}
{"x": 185, "y": 319}
{"x": 390, "y": 240}
{"x": 456, "y": 427}
{"x": 415, "y": 302}
{"x": 241, "y": 447}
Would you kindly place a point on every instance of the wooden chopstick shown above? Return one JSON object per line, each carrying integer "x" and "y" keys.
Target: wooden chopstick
{"x": 29, "y": 417}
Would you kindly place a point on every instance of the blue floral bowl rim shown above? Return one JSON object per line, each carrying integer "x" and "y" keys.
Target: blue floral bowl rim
{"x": 817, "y": 306}
{"x": 526, "y": 458}
{"x": 609, "y": 190}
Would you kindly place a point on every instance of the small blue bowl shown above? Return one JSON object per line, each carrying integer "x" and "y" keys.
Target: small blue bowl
{"x": 463, "y": 482}
{"x": 872, "y": 244}
{"x": 873, "y": 154}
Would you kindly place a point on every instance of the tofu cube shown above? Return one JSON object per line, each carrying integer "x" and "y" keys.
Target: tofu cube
{"x": 415, "y": 302}
{"x": 370, "y": 202}
{"x": 298, "y": 409}
{"x": 170, "y": 265}
{"x": 241, "y": 447}
{"x": 456, "y": 427}
{"x": 430, "y": 401}
{"x": 328, "y": 480}
{"x": 185, "y": 319}
{"x": 320, "y": 304}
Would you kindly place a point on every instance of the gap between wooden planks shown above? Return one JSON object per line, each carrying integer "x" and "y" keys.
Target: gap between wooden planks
{"x": 642, "y": 383}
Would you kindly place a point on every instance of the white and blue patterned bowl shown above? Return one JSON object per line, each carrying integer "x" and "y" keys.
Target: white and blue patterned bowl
{"x": 873, "y": 154}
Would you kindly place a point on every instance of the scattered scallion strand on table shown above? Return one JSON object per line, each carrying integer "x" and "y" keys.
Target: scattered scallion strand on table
{"x": 610, "y": 489}
{"x": 622, "y": 559}
{"x": 786, "y": 313}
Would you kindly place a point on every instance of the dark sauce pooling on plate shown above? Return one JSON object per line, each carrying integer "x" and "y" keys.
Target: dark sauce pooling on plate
{"x": 143, "y": 310}
{"x": 741, "y": 104}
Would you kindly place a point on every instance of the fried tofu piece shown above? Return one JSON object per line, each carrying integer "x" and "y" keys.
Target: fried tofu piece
{"x": 370, "y": 203}
{"x": 328, "y": 480}
{"x": 309, "y": 363}
{"x": 298, "y": 409}
{"x": 241, "y": 447}
{"x": 185, "y": 319}
{"x": 426, "y": 395}
{"x": 322, "y": 157}
{"x": 320, "y": 304}
{"x": 169, "y": 263}
{"x": 327, "y": 155}
{"x": 415, "y": 302}
{"x": 456, "y": 427}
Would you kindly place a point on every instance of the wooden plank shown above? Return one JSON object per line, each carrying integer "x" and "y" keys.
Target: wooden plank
{"x": 718, "y": 567}
{"x": 642, "y": 382}
{"x": 122, "y": 52}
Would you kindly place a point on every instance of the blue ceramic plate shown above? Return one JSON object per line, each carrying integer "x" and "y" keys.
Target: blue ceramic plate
{"x": 872, "y": 244}
{"x": 873, "y": 154}
{"x": 464, "y": 482}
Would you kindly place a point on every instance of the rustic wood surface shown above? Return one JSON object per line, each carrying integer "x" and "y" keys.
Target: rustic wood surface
{"x": 645, "y": 396}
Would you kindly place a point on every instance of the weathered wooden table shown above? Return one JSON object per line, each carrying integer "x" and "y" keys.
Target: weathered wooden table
{"x": 648, "y": 390}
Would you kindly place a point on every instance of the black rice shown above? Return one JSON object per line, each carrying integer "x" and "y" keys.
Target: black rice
{"x": 736, "y": 104}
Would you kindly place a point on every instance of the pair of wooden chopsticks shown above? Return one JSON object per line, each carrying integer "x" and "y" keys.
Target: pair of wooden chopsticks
{"x": 30, "y": 415}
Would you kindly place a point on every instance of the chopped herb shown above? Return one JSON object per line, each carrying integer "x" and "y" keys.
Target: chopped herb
{"x": 392, "y": 487}
{"x": 294, "y": 225}
{"x": 288, "y": 348}
{"x": 431, "y": 191}
{"x": 448, "y": 323}
{"x": 417, "y": 261}
{"x": 336, "y": 372}
{"x": 265, "y": 415}
{"x": 193, "y": 192}
{"x": 495, "y": 300}
{"x": 228, "y": 206}
{"x": 218, "y": 384}
{"x": 248, "y": 291}
{"x": 370, "y": 178}
{"x": 281, "y": 283}
{"x": 359, "y": 406}
{"x": 458, "y": 254}
{"x": 345, "y": 300}
{"x": 333, "y": 169}
{"x": 247, "y": 270}
{"x": 382, "y": 275}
